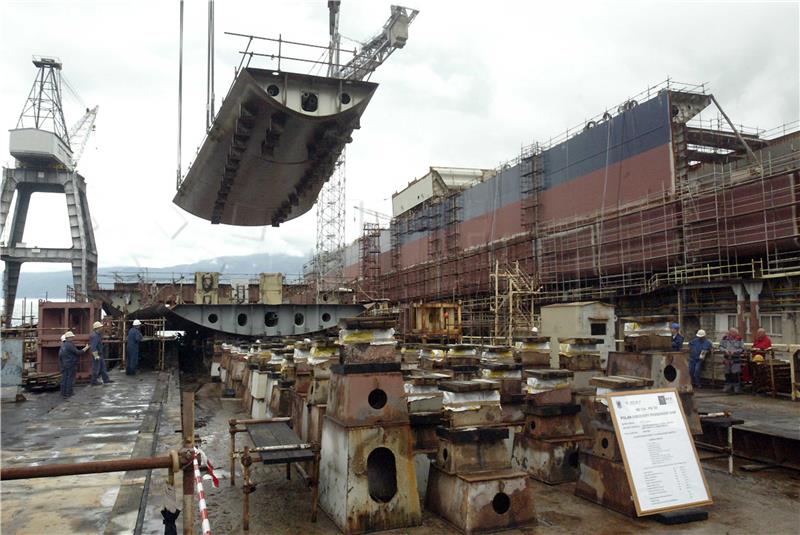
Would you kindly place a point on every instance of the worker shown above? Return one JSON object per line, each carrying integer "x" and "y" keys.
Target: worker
{"x": 134, "y": 337}
{"x": 677, "y": 337}
{"x": 732, "y": 347}
{"x": 761, "y": 345}
{"x": 699, "y": 348}
{"x": 98, "y": 361}
{"x": 68, "y": 358}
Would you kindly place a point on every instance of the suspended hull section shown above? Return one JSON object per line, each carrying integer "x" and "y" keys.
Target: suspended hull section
{"x": 272, "y": 147}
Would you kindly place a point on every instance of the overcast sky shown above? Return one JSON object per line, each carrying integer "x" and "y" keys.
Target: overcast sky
{"x": 475, "y": 82}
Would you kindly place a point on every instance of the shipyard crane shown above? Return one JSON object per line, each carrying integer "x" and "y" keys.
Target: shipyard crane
{"x": 331, "y": 203}
{"x": 379, "y": 216}
{"x": 43, "y": 149}
{"x": 79, "y": 134}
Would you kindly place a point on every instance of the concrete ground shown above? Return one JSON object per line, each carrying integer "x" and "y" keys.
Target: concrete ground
{"x": 123, "y": 419}
{"x": 98, "y": 423}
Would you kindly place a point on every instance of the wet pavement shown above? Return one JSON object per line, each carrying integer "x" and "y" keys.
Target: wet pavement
{"x": 98, "y": 423}
{"x": 123, "y": 419}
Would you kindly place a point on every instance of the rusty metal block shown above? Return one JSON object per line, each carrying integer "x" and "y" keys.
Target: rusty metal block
{"x": 357, "y": 399}
{"x": 557, "y": 396}
{"x": 302, "y": 381}
{"x": 362, "y": 353}
{"x": 486, "y": 501}
{"x": 318, "y": 390}
{"x": 580, "y": 362}
{"x": 280, "y": 405}
{"x": 605, "y": 445}
{"x": 550, "y": 460}
{"x": 316, "y": 413}
{"x": 423, "y": 431}
{"x": 368, "y": 477}
{"x": 532, "y": 358}
{"x": 604, "y": 482}
{"x": 553, "y": 421}
{"x": 510, "y": 388}
{"x": 300, "y": 415}
{"x": 512, "y": 414}
{"x": 485, "y": 415}
{"x": 472, "y": 450}
{"x": 422, "y": 465}
{"x": 463, "y": 373}
{"x": 667, "y": 369}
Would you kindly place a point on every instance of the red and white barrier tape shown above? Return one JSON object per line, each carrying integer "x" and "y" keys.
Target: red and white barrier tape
{"x": 201, "y": 494}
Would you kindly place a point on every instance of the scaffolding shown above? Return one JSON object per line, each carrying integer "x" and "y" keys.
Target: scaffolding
{"x": 514, "y": 298}
{"x": 369, "y": 257}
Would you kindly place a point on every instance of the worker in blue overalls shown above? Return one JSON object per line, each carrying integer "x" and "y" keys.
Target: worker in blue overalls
{"x": 98, "y": 361}
{"x": 677, "y": 337}
{"x": 699, "y": 348}
{"x": 68, "y": 358}
{"x": 134, "y": 337}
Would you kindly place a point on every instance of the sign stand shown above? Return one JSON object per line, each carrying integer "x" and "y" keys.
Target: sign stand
{"x": 660, "y": 459}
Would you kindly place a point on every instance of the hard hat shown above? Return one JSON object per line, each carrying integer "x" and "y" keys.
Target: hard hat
{"x": 675, "y": 326}
{"x": 701, "y": 333}
{"x": 62, "y": 338}
{"x": 758, "y": 358}
{"x": 535, "y": 330}
{"x": 136, "y": 323}
{"x": 69, "y": 334}
{"x": 97, "y": 325}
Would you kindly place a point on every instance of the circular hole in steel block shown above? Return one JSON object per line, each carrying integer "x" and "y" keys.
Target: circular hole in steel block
{"x": 381, "y": 475}
{"x": 345, "y": 98}
{"x": 325, "y": 297}
{"x": 573, "y": 459}
{"x": 309, "y": 102}
{"x": 271, "y": 319}
{"x": 299, "y": 319}
{"x": 670, "y": 373}
{"x": 532, "y": 425}
{"x": 604, "y": 443}
{"x": 326, "y": 317}
{"x": 377, "y": 399}
{"x": 272, "y": 90}
{"x": 501, "y": 503}
{"x": 445, "y": 454}
{"x": 213, "y": 318}
{"x": 241, "y": 319}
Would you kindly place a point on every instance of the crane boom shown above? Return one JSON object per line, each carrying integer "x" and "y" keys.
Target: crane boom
{"x": 80, "y": 132}
{"x": 393, "y": 36}
{"x": 379, "y": 216}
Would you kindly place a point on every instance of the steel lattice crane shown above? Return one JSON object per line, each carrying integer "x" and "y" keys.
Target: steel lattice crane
{"x": 79, "y": 134}
{"x": 329, "y": 259}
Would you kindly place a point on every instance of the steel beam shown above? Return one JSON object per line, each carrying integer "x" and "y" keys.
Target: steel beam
{"x": 266, "y": 320}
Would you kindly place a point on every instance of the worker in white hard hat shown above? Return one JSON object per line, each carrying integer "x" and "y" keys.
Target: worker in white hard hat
{"x": 535, "y": 330}
{"x": 68, "y": 357}
{"x": 699, "y": 348}
{"x": 134, "y": 337}
{"x": 98, "y": 360}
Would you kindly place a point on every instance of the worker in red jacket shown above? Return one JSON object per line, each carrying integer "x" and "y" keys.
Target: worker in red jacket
{"x": 762, "y": 343}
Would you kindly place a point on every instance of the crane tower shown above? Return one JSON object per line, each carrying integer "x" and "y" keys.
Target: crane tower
{"x": 47, "y": 156}
{"x": 329, "y": 258}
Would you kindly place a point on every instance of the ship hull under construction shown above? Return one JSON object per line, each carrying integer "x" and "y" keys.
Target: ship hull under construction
{"x": 614, "y": 208}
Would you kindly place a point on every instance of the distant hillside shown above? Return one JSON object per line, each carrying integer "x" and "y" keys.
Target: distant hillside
{"x": 53, "y": 284}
